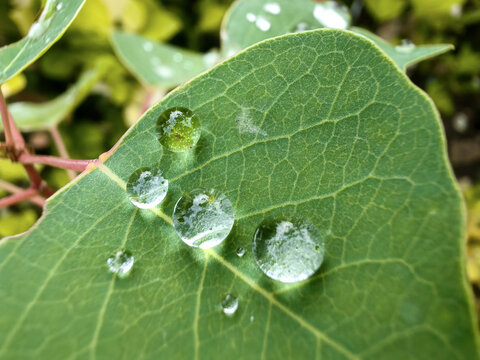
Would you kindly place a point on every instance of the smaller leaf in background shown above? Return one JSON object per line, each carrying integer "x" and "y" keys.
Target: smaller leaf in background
{"x": 434, "y": 9}
{"x": 251, "y": 21}
{"x": 94, "y": 18}
{"x": 160, "y": 65}
{"x": 407, "y": 54}
{"x": 56, "y": 17}
{"x": 12, "y": 172}
{"x": 384, "y": 10}
{"x": 40, "y": 116}
{"x": 211, "y": 15}
{"x": 14, "y": 223}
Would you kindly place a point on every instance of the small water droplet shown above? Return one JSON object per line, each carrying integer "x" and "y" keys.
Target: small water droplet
{"x": 288, "y": 250}
{"x": 121, "y": 263}
{"x": 210, "y": 58}
{"x": 163, "y": 71}
{"x": 272, "y": 8}
{"x": 229, "y": 304}
{"x": 59, "y": 6}
{"x": 252, "y": 318}
{"x": 251, "y": 17}
{"x": 407, "y": 46}
{"x": 262, "y": 23}
{"x": 332, "y": 14}
{"x": 460, "y": 122}
{"x": 147, "y": 187}
{"x": 177, "y": 57}
{"x": 240, "y": 252}
{"x": 147, "y": 46}
{"x": 178, "y": 129}
{"x": 39, "y": 27}
{"x": 302, "y": 26}
{"x": 203, "y": 218}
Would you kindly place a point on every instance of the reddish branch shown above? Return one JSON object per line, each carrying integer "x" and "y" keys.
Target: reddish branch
{"x": 77, "y": 165}
{"x": 27, "y": 194}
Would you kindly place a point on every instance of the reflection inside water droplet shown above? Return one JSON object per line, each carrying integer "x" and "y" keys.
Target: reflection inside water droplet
{"x": 178, "y": 129}
{"x": 203, "y": 218}
{"x": 288, "y": 250}
{"x": 229, "y": 304}
{"x": 147, "y": 187}
{"x": 121, "y": 263}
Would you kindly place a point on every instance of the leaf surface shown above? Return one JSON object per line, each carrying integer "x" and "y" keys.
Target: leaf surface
{"x": 52, "y": 23}
{"x": 40, "y": 116}
{"x": 159, "y": 64}
{"x": 318, "y": 125}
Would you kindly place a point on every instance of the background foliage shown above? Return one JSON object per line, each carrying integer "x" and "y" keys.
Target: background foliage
{"x": 115, "y": 99}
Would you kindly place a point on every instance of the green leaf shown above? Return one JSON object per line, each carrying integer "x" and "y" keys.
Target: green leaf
{"x": 405, "y": 55}
{"x": 40, "y": 116}
{"x": 158, "y": 64}
{"x": 251, "y": 21}
{"x": 318, "y": 125}
{"x": 53, "y": 22}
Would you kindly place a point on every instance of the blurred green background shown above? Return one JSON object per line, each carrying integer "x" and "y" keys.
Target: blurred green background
{"x": 117, "y": 99}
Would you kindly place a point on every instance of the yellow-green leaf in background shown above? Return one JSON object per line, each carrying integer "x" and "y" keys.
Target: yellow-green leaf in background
{"x": 384, "y": 10}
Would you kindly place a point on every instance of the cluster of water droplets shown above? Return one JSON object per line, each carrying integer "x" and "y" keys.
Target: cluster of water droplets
{"x": 287, "y": 250}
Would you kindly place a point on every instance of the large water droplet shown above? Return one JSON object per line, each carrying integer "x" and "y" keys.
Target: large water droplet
{"x": 178, "y": 129}
{"x": 332, "y": 14}
{"x": 147, "y": 187}
{"x": 203, "y": 218}
{"x": 121, "y": 263}
{"x": 288, "y": 250}
{"x": 229, "y": 304}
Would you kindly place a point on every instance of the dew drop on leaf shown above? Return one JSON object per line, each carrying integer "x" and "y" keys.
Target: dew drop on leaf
{"x": 288, "y": 250}
{"x": 302, "y": 26}
{"x": 272, "y": 8}
{"x": 147, "y": 187}
{"x": 178, "y": 129}
{"x": 229, "y": 304}
{"x": 203, "y": 218}
{"x": 240, "y": 252}
{"x": 40, "y": 26}
{"x": 121, "y": 263}
{"x": 407, "y": 46}
{"x": 332, "y": 14}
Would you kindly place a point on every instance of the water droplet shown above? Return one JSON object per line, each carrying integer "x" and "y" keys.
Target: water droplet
{"x": 252, "y": 318}
{"x": 59, "y": 6}
{"x": 177, "y": 57}
{"x": 121, "y": 263}
{"x": 203, "y": 218}
{"x": 302, "y": 26}
{"x": 147, "y": 46}
{"x": 262, "y": 23}
{"x": 288, "y": 250}
{"x": 39, "y": 27}
{"x": 460, "y": 122}
{"x": 332, "y": 14}
{"x": 164, "y": 71}
{"x": 178, "y": 129}
{"x": 229, "y": 304}
{"x": 272, "y": 8}
{"x": 210, "y": 58}
{"x": 251, "y": 17}
{"x": 147, "y": 187}
{"x": 240, "y": 252}
{"x": 407, "y": 46}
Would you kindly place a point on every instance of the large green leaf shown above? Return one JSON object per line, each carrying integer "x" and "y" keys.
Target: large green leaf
{"x": 40, "y": 116}
{"x": 159, "y": 64}
{"x": 50, "y": 26}
{"x": 319, "y": 125}
{"x": 405, "y": 55}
